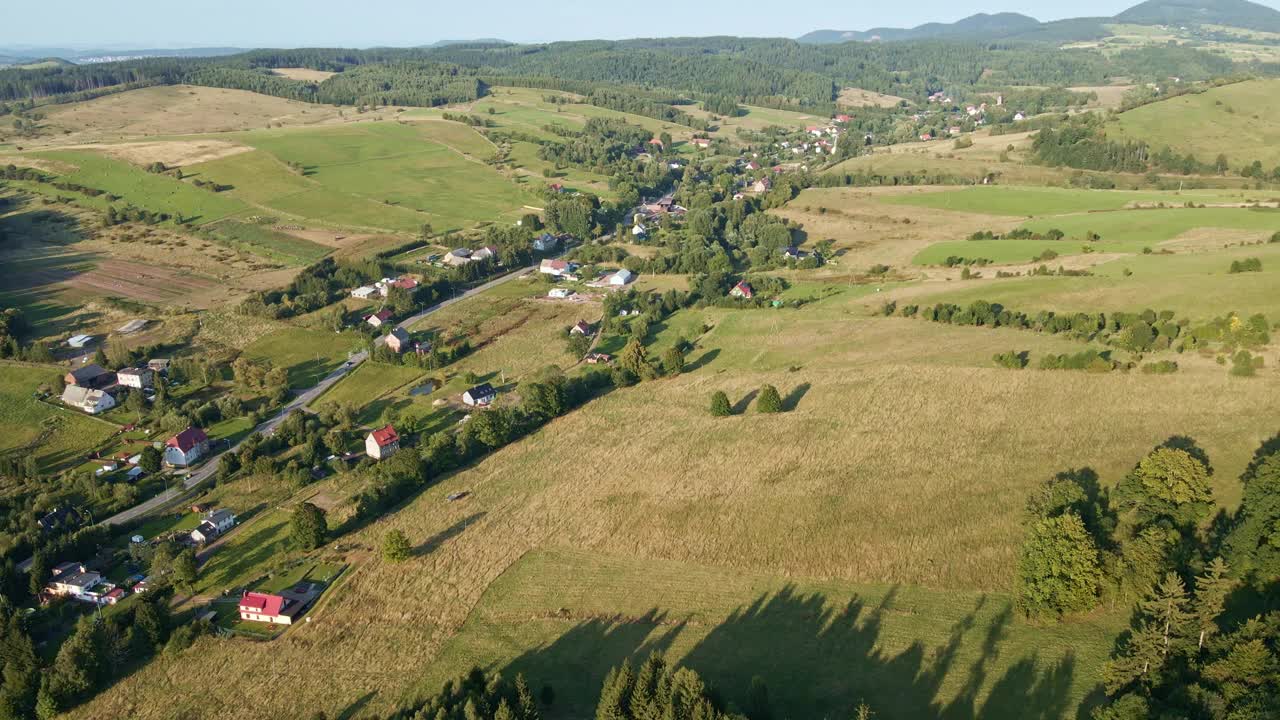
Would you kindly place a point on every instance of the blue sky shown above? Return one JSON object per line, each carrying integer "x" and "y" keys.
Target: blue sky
{"x": 293, "y": 23}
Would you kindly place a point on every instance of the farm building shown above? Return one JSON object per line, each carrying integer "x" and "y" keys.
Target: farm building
{"x": 139, "y": 378}
{"x": 382, "y": 443}
{"x": 742, "y": 290}
{"x": 485, "y": 253}
{"x": 79, "y": 341}
{"x": 90, "y": 376}
{"x": 457, "y": 257}
{"x": 87, "y": 400}
{"x": 481, "y": 395}
{"x": 397, "y": 340}
{"x": 364, "y": 292}
{"x": 279, "y": 609}
{"x": 559, "y": 293}
{"x": 622, "y": 277}
{"x": 379, "y": 318}
{"x": 131, "y": 327}
{"x": 186, "y": 447}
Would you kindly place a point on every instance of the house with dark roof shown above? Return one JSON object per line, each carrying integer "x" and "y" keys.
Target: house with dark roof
{"x": 481, "y": 395}
{"x": 398, "y": 340}
{"x": 382, "y": 443}
{"x": 215, "y": 523}
{"x": 582, "y": 328}
{"x": 90, "y": 376}
{"x": 58, "y": 518}
{"x": 186, "y": 447}
{"x": 139, "y": 378}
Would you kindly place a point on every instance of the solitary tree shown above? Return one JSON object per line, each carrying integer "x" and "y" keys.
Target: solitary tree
{"x": 720, "y": 404}
{"x": 395, "y": 546}
{"x": 672, "y": 361}
{"x": 308, "y": 527}
{"x": 769, "y": 400}
{"x": 634, "y": 358}
{"x": 150, "y": 460}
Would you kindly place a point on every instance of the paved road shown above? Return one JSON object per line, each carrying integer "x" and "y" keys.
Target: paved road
{"x": 302, "y": 400}
{"x": 207, "y": 470}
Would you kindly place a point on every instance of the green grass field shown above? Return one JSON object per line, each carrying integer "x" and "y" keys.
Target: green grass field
{"x": 159, "y": 193}
{"x": 563, "y": 618}
{"x": 1236, "y": 120}
{"x": 264, "y": 241}
{"x": 57, "y": 436}
{"x": 1038, "y": 202}
{"x": 309, "y": 355}
{"x": 245, "y": 556}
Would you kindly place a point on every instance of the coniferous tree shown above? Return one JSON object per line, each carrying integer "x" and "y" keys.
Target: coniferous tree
{"x": 720, "y": 406}
{"x": 769, "y": 401}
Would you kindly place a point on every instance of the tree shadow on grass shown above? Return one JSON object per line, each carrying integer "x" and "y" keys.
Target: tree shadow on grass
{"x": 741, "y": 406}
{"x": 793, "y": 398}
{"x": 703, "y": 360}
{"x": 821, "y": 659}
{"x": 349, "y": 712}
{"x": 434, "y": 542}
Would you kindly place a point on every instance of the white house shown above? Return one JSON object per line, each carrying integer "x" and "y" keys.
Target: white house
{"x": 138, "y": 378}
{"x": 87, "y": 400}
{"x": 480, "y": 396}
{"x": 558, "y": 268}
{"x": 638, "y": 231}
{"x": 382, "y": 443}
{"x": 622, "y": 277}
{"x": 364, "y": 292}
{"x": 73, "y": 579}
{"x": 186, "y": 447}
{"x": 484, "y": 253}
{"x": 214, "y": 524}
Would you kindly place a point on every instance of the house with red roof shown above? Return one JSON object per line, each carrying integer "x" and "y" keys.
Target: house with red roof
{"x": 186, "y": 447}
{"x": 382, "y": 443}
{"x": 743, "y": 290}
{"x": 281, "y": 609}
{"x": 379, "y": 318}
{"x": 843, "y": 118}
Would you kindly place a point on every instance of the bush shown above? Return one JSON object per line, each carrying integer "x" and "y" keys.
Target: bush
{"x": 395, "y": 546}
{"x": 1242, "y": 364}
{"x": 720, "y": 404}
{"x": 1164, "y": 367}
{"x": 769, "y": 400}
{"x": 1244, "y": 266}
{"x": 1013, "y": 359}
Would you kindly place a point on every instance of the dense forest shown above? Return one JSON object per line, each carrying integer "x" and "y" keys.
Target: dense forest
{"x": 771, "y": 72}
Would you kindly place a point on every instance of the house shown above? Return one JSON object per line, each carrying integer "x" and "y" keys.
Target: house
{"x": 216, "y": 523}
{"x": 397, "y": 340}
{"x": 742, "y": 290}
{"x": 481, "y": 395}
{"x": 457, "y": 257}
{"x": 558, "y": 268}
{"x": 186, "y": 447}
{"x": 599, "y": 359}
{"x": 113, "y": 597}
{"x": 90, "y": 376}
{"x": 953, "y": 130}
{"x": 622, "y": 277}
{"x": 79, "y": 341}
{"x": 559, "y": 293}
{"x": 926, "y": 137}
{"x": 364, "y": 292}
{"x": 815, "y": 130}
{"x": 753, "y": 166}
{"x": 280, "y": 609}
{"x": 844, "y": 119}
{"x": 160, "y": 365}
{"x": 404, "y": 283}
{"x": 703, "y": 143}
{"x": 72, "y": 579}
{"x": 1019, "y": 117}
{"x": 762, "y": 185}
{"x": 657, "y": 142}
{"x": 135, "y": 473}
{"x": 638, "y": 231}
{"x": 139, "y": 377}
{"x": 379, "y": 318}
{"x": 582, "y": 328}
{"x": 382, "y": 443}
{"x": 58, "y": 518}
{"x": 486, "y": 252}
{"x": 793, "y": 253}
{"x": 86, "y": 400}
{"x": 546, "y": 242}
{"x": 556, "y": 188}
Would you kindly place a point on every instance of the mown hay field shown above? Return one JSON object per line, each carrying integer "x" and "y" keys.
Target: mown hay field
{"x": 308, "y": 355}
{"x": 56, "y": 436}
{"x": 905, "y": 458}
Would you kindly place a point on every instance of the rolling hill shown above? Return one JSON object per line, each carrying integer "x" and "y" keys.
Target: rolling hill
{"x": 980, "y": 25}
{"x": 1235, "y": 13}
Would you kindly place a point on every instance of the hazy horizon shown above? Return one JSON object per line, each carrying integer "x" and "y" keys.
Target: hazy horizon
{"x": 326, "y": 23}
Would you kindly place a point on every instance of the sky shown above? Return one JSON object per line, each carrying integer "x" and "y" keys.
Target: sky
{"x": 342, "y": 23}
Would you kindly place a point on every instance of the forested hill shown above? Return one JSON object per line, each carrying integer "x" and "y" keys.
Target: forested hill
{"x": 1015, "y": 27}
{"x": 772, "y": 72}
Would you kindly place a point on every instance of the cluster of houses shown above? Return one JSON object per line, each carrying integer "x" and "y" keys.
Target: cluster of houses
{"x": 75, "y": 581}
{"x": 382, "y": 288}
{"x": 92, "y": 388}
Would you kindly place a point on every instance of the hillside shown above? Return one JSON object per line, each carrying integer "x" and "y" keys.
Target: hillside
{"x": 1234, "y": 120}
{"x": 1235, "y": 13}
{"x": 980, "y": 25}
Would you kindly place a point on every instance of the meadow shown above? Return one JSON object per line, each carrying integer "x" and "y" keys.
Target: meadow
{"x": 308, "y": 355}
{"x": 1234, "y": 120}
{"x": 897, "y": 477}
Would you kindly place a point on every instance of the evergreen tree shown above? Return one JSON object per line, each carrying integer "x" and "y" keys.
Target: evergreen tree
{"x": 720, "y": 406}
{"x": 672, "y": 362}
{"x": 395, "y": 546}
{"x": 635, "y": 358}
{"x": 769, "y": 401}
{"x": 308, "y": 528}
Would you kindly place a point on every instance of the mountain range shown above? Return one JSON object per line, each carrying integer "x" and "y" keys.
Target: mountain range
{"x": 1014, "y": 26}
